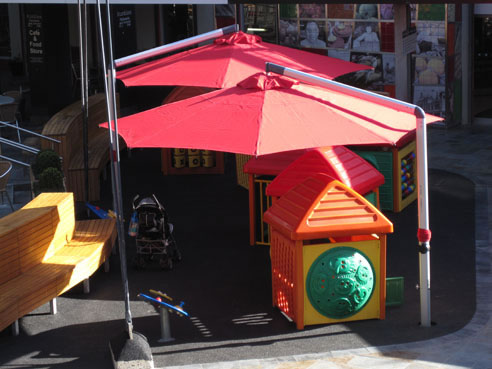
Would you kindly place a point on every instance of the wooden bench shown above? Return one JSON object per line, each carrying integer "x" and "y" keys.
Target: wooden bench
{"x": 67, "y": 126}
{"x": 44, "y": 252}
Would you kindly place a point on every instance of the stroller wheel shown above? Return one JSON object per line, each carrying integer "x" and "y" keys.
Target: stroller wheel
{"x": 166, "y": 263}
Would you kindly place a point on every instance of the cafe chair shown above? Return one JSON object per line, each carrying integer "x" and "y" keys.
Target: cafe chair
{"x": 8, "y": 114}
{"x": 5, "y": 172}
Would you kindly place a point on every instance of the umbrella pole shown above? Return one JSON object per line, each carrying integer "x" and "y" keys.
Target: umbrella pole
{"x": 83, "y": 90}
{"x": 423, "y": 233}
{"x": 173, "y": 46}
{"x": 115, "y": 174}
{"x": 115, "y": 160}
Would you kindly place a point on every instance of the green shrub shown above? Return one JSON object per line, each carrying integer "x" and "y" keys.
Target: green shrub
{"x": 51, "y": 180}
{"x": 46, "y": 159}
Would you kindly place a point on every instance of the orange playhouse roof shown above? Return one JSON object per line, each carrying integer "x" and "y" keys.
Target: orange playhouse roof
{"x": 336, "y": 161}
{"x": 321, "y": 207}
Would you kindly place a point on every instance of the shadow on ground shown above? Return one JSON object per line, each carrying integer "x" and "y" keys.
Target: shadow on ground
{"x": 225, "y": 283}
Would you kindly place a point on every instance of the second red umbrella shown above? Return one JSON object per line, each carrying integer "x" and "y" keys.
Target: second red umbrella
{"x": 229, "y": 60}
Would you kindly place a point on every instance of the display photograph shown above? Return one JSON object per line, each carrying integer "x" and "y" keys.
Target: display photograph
{"x": 366, "y": 36}
{"x": 339, "y": 34}
{"x": 313, "y": 34}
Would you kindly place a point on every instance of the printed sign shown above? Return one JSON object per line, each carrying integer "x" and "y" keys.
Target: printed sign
{"x": 35, "y": 42}
{"x": 409, "y": 38}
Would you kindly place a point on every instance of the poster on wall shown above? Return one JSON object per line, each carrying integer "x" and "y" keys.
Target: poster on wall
{"x": 432, "y": 12}
{"x": 367, "y": 79}
{"x": 366, "y": 11}
{"x": 312, "y": 34}
{"x": 431, "y": 99}
{"x": 340, "y": 34}
{"x": 366, "y": 37}
{"x": 389, "y": 69}
{"x": 287, "y": 33}
{"x": 386, "y": 12}
{"x": 431, "y": 39}
{"x": 341, "y": 11}
{"x": 312, "y": 11}
{"x": 429, "y": 71}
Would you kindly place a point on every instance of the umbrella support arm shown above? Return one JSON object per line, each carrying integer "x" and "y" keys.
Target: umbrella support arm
{"x": 422, "y": 173}
{"x": 173, "y": 46}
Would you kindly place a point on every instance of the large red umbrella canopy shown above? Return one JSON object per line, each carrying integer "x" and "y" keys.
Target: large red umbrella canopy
{"x": 229, "y": 60}
{"x": 267, "y": 114}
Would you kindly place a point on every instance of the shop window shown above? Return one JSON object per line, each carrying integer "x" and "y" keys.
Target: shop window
{"x": 261, "y": 20}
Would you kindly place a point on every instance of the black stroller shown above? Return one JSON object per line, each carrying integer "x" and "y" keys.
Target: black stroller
{"x": 153, "y": 233}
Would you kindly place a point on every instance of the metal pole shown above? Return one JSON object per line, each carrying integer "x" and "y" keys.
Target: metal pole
{"x": 15, "y": 161}
{"x": 115, "y": 157}
{"x": 85, "y": 125}
{"x": 424, "y": 230}
{"x": 240, "y": 17}
{"x": 466, "y": 60}
{"x": 82, "y": 22}
{"x": 110, "y": 99}
{"x": 30, "y": 132}
{"x": 165, "y": 325}
{"x": 424, "y": 233}
{"x": 174, "y": 46}
{"x": 19, "y": 145}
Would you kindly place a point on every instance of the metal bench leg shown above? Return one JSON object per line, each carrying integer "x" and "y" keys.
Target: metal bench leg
{"x": 106, "y": 265}
{"x": 15, "y": 328}
{"x": 86, "y": 286}
{"x": 53, "y": 309}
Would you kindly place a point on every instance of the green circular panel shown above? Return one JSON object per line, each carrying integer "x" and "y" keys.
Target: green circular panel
{"x": 340, "y": 282}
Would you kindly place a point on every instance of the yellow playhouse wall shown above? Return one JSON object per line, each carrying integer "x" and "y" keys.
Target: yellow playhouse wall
{"x": 372, "y": 309}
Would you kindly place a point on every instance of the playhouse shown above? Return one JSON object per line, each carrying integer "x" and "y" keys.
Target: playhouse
{"x": 261, "y": 171}
{"x": 398, "y": 164}
{"x": 273, "y": 175}
{"x": 336, "y": 161}
{"x": 328, "y": 253}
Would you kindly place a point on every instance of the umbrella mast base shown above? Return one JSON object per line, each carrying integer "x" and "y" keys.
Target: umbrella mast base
{"x": 131, "y": 353}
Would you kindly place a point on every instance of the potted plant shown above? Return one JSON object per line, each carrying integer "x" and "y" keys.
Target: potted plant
{"x": 47, "y": 172}
{"x": 46, "y": 158}
{"x": 51, "y": 180}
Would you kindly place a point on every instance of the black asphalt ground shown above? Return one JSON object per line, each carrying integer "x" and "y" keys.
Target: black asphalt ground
{"x": 225, "y": 283}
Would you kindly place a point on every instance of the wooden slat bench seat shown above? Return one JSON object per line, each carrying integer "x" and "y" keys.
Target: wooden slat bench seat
{"x": 44, "y": 252}
{"x": 67, "y": 127}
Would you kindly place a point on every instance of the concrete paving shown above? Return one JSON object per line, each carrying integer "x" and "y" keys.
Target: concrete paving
{"x": 466, "y": 152}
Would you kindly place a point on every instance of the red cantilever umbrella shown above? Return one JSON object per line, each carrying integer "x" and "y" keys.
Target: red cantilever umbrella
{"x": 267, "y": 114}
{"x": 229, "y": 60}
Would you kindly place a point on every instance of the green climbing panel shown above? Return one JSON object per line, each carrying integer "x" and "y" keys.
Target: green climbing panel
{"x": 340, "y": 282}
{"x": 382, "y": 161}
